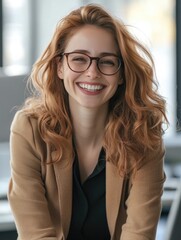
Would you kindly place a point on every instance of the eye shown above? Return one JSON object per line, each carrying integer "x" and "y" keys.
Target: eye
{"x": 106, "y": 61}
{"x": 78, "y": 58}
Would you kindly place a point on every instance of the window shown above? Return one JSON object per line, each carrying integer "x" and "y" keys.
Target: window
{"x": 153, "y": 22}
{"x": 178, "y": 50}
{"x": 16, "y": 36}
{"x": 1, "y": 35}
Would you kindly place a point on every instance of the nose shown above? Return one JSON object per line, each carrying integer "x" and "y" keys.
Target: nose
{"x": 93, "y": 70}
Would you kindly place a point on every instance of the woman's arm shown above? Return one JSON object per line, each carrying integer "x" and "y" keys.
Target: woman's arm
{"x": 144, "y": 200}
{"x": 26, "y": 189}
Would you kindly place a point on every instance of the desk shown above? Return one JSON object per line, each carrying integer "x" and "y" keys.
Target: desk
{"x": 170, "y": 187}
{"x": 6, "y": 218}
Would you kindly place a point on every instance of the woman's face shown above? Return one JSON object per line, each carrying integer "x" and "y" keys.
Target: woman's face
{"x": 91, "y": 88}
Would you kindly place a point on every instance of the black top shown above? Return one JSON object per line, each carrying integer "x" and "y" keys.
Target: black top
{"x": 88, "y": 207}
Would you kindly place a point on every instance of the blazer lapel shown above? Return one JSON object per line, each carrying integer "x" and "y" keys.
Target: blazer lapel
{"x": 63, "y": 172}
{"x": 114, "y": 185}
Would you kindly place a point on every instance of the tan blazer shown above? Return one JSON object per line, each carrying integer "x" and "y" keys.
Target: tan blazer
{"x": 41, "y": 195}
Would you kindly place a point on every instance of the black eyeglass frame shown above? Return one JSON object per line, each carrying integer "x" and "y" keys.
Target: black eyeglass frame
{"x": 91, "y": 59}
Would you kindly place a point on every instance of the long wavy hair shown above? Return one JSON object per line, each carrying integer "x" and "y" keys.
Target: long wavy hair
{"x": 136, "y": 111}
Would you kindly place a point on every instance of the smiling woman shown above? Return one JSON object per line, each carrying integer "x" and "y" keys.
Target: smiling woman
{"x": 86, "y": 148}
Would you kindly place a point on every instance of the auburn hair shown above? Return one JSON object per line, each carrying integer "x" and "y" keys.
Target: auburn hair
{"x": 136, "y": 111}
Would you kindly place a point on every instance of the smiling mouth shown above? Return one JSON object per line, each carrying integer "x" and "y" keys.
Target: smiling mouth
{"x": 91, "y": 87}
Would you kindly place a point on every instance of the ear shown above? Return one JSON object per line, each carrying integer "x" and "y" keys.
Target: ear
{"x": 60, "y": 68}
{"x": 120, "y": 76}
{"x": 120, "y": 81}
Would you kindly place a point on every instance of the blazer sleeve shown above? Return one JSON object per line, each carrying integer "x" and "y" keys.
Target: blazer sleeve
{"x": 26, "y": 193}
{"x": 144, "y": 201}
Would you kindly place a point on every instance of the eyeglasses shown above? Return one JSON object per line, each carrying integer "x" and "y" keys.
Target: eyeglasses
{"x": 80, "y": 62}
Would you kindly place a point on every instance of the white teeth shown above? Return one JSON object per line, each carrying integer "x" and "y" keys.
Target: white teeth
{"x": 90, "y": 87}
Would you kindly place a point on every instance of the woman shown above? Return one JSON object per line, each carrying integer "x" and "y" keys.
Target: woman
{"x": 86, "y": 149}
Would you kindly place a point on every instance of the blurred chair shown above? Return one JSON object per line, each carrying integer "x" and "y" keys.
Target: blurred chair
{"x": 12, "y": 95}
{"x": 173, "y": 225}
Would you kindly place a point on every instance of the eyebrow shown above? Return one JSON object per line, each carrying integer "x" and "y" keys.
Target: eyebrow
{"x": 100, "y": 54}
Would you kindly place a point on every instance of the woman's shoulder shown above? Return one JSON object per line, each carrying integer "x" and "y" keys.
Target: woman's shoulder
{"x": 25, "y": 125}
{"x": 24, "y": 121}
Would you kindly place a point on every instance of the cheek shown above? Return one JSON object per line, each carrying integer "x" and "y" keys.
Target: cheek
{"x": 69, "y": 79}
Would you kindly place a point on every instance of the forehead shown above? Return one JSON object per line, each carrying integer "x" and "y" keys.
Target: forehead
{"x": 93, "y": 39}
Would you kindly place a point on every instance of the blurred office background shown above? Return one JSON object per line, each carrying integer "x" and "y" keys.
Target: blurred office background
{"x": 26, "y": 27}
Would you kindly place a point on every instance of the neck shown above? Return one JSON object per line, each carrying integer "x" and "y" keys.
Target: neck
{"x": 88, "y": 125}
